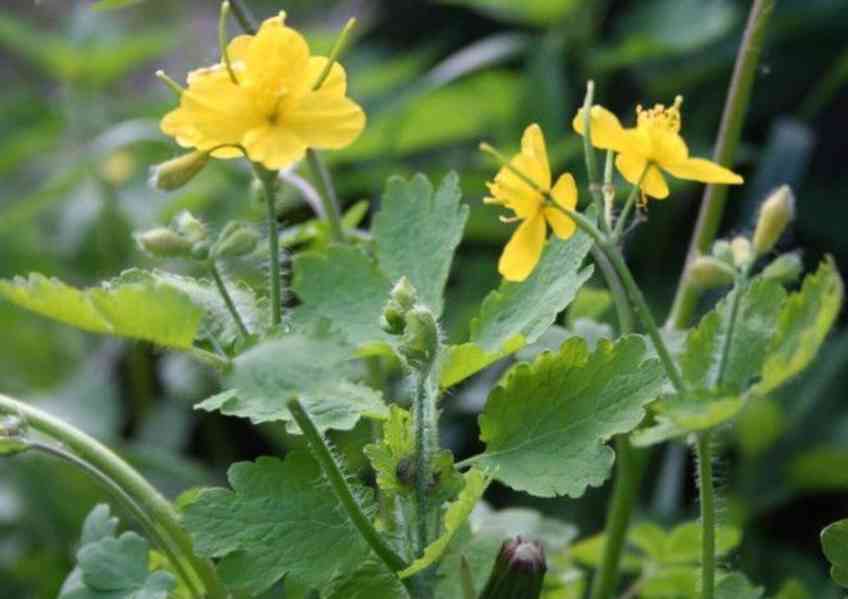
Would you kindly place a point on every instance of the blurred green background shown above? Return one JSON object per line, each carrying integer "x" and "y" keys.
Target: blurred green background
{"x": 79, "y": 110}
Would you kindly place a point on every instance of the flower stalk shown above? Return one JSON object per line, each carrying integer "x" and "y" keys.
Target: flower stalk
{"x": 228, "y": 300}
{"x": 268, "y": 179}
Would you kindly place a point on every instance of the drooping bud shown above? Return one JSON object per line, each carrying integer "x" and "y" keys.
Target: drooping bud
{"x": 724, "y": 252}
{"x": 162, "y": 242}
{"x": 519, "y": 571}
{"x": 708, "y": 272}
{"x": 742, "y": 252}
{"x": 775, "y": 214}
{"x": 175, "y": 173}
{"x": 190, "y": 227}
{"x": 235, "y": 240}
{"x": 786, "y": 268}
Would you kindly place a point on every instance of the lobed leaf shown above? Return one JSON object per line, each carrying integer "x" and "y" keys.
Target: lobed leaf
{"x": 834, "y": 540}
{"x": 371, "y": 581}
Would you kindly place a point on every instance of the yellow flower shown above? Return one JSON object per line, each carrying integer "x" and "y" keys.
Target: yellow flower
{"x": 267, "y": 104}
{"x": 523, "y": 251}
{"x": 656, "y": 140}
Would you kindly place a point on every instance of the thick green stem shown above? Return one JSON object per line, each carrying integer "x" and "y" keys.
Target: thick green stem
{"x": 269, "y": 187}
{"x": 619, "y": 295}
{"x": 588, "y": 151}
{"x": 425, "y": 445}
{"x": 708, "y": 524}
{"x": 120, "y": 496}
{"x": 228, "y": 300}
{"x": 328, "y": 194}
{"x": 159, "y": 510}
{"x": 343, "y": 492}
{"x": 733, "y": 118}
{"x": 627, "y": 478}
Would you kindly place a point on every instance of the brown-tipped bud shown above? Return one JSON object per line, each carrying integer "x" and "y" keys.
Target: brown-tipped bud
{"x": 164, "y": 243}
{"x": 786, "y": 268}
{"x": 723, "y": 251}
{"x": 175, "y": 173}
{"x": 236, "y": 240}
{"x": 519, "y": 571}
{"x": 708, "y": 272}
{"x": 743, "y": 254}
{"x": 775, "y": 214}
{"x": 190, "y": 227}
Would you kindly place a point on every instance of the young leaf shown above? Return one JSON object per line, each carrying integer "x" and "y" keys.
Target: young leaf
{"x": 455, "y": 516}
{"x": 545, "y": 427}
{"x": 834, "y": 540}
{"x": 318, "y": 371}
{"x": 417, "y": 231}
{"x": 149, "y": 310}
{"x": 804, "y": 323}
{"x": 386, "y": 456}
{"x": 265, "y": 527}
{"x": 518, "y": 313}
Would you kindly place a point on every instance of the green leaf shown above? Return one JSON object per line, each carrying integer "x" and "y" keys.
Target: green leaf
{"x": 372, "y": 581}
{"x": 265, "y": 528}
{"x": 517, "y": 521}
{"x": 104, "y": 5}
{"x": 737, "y": 586}
{"x": 546, "y": 425}
{"x": 319, "y": 371}
{"x": 149, "y": 310}
{"x": 456, "y": 514}
{"x": 385, "y": 457}
{"x": 804, "y": 323}
{"x": 678, "y": 582}
{"x": 834, "y": 540}
{"x": 792, "y": 589}
{"x": 590, "y": 303}
{"x": 531, "y": 12}
{"x": 112, "y": 567}
{"x": 343, "y": 286}
{"x": 822, "y": 468}
{"x": 417, "y": 231}
{"x": 519, "y": 313}
{"x": 683, "y": 544}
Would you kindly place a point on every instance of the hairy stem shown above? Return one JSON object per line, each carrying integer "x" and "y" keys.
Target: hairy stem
{"x": 343, "y": 492}
{"x": 328, "y": 194}
{"x": 425, "y": 444}
{"x": 730, "y": 131}
{"x": 228, "y": 300}
{"x": 159, "y": 510}
{"x": 708, "y": 523}
{"x": 269, "y": 187}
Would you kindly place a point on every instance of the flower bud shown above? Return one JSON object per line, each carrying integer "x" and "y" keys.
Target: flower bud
{"x": 175, "y": 173}
{"x": 420, "y": 340}
{"x": 393, "y": 320}
{"x": 164, "y": 243}
{"x": 775, "y": 214}
{"x": 190, "y": 227}
{"x": 519, "y": 571}
{"x": 786, "y": 268}
{"x": 708, "y": 272}
{"x": 236, "y": 240}
{"x": 742, "y": 252}
{"x": 724, "y": 252}
{"x": 404, "y": 294}
{"x": 200, "y": 250}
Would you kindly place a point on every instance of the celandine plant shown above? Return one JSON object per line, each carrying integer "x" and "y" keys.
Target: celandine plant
{"x": 301, "y": 525}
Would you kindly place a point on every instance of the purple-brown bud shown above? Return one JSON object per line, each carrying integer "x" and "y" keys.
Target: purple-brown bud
{"x": 519, "y": 571}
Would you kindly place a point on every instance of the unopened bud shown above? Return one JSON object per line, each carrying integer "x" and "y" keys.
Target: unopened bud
{"x": 742, "y": 252}
{"x": 786, "y": 268}
{"x": 775, "y": 214}
{"x": 236, "y": 240}
{"x": 175, "y": 173}
{"x": 404, "y": 294}
{"x": 420, "y": 340}
{"x": 201, "y": 250}
{"x": 519, "y": 571}
{"x": 190, "y": 227}
{"x": 164, "y": 243}
{"x": 708, "y": 272}
{"x": 724, "y": 252}
{"x": 393, "y": 320}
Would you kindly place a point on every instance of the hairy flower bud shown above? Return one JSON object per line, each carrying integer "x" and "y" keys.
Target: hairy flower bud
{"x": 404, "y": 294}
{"x": 190, "y": 227}
{"x": 775, "y": 214}
{"x": 236, "y": 240}
{"x": 519, "y": 571}
{"x": 708, "y": 272}
{"x": 162, "y": 242}
{"x": 420, "y": 340}
{"x": 175, "y": 173}
{"x": 401, "y": 300}
{"x": 786, "y": 268}
{"x": 742, "y": 252}
{"x": 724, "y": 252}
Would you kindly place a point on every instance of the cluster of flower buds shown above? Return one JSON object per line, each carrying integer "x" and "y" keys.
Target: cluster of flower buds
{"x": 414, "y": 323}
{"x": 728, "y": 257}
{"x": 519, "y": 571}
{"x": 187, "y": 237}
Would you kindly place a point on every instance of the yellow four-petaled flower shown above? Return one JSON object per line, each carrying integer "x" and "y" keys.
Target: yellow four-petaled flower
{"x": 512, "y": 191}
{"x": 265, "y": 102}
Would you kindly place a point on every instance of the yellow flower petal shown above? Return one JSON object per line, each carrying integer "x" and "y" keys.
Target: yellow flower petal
{"x": 565, "y": 191}
{"x": 276, "y": 63}
{"x": 513, "y": 191}
{"x": 326, "y": 120}
{"x": 238, "y": 48}
{"x": 562, "y": 225}
{"x": 533, "y": 147}
{"x": 275, "y": 147}
{"x": 336, "y": 82}
{"x": 607, "y": 132}
{"x": 705, "y": 171}
{"x": 667, "y": 147}
{"x": 523, "y": 251}
{"x": 631, "y": 166}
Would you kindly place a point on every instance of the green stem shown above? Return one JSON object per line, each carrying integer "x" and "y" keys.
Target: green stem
{"x": 588, "y": 150}
{"x": 120, "y": 496}
{"x": 328, "y": 194}
{"x": 708, "y": 524}
{"x": 343, "y": 492}
{"x": 269, "y": 187}
{"x": 243, "y": 16}
{"x": 627, "y": 478}
{"x": 622, "y": 305}
{"x": 228, "y": 300}
{"x": 159, "y": 510}
{"x": 425, "y": 443}
{"x": 730, "y": 131}
{"x": 628, "y": 205}
{"x": 208, "y": 358}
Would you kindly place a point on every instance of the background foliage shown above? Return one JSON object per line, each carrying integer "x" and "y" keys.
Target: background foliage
{"x": 79, "y": 112}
